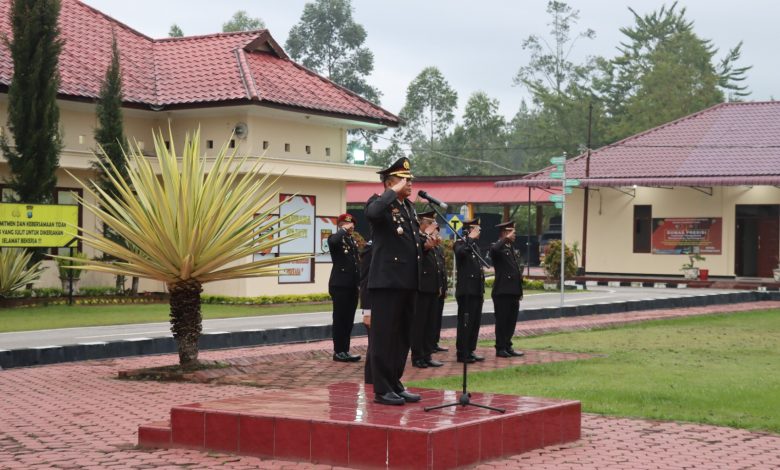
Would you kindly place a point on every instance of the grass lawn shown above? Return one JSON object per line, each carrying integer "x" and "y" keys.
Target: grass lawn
{"x": 720, "y": 369}
{"x": 63, "y": 316}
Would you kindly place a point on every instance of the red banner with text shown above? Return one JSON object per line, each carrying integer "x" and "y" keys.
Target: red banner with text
{"x": 673, "y": 236}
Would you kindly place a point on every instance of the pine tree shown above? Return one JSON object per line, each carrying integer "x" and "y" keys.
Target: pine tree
{"x": 33, "y": 113}
{"x": 110, "y": 137}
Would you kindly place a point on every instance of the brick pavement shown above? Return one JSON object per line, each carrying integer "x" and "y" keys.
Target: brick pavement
{"x": 78, "y": 415}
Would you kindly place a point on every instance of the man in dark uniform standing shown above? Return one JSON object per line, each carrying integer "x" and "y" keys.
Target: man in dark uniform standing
{"x": 343, "y": 286}
{"x": 427, "y": 298}
{"x": 469, "y": 292}
{"x": 442, "y": 280}
{"x": 393, "y": 280}
{"x": 507, "y": 289}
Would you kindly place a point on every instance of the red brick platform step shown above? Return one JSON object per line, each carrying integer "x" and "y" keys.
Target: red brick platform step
{"x": 340, "y": 425}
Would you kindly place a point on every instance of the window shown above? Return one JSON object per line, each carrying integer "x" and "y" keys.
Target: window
{"x": 232, "y": 143}
{"x": 327, "y": 151}
{"x": 167, "y": 145}
{"x": 265, "y": 144}
{"x": 67, "y": 196}
{"x": 209, "y": 144}
{"x": 286, "y": 147}
{"x": 308, "y": 149}
{"x": 7, "y": 194}
{"x": 643, "y": 226}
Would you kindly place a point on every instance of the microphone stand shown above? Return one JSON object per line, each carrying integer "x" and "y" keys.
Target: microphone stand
{"x": 465, "y": 396}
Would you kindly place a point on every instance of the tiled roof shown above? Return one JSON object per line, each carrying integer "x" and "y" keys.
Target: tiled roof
{"x": 246, "y": 67}
{"x": 728, "y": 140}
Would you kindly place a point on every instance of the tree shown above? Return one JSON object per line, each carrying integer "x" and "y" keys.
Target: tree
{"x": 561, "y": 90}
{"x": 110, "y": 137}
{"x": 188, "y": 223}
{"x": 665, "y": 71}
{"x": 485, "y": 132}
{"x": 429, "y": 112}
{"x": 329, "y": 41}
{"x": 33, "y": 113}
{"x": 175, "y": 31}
{"x": 240, "y": 21}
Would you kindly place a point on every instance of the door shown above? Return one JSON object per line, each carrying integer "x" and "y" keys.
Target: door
{"x": 757, "y": 240}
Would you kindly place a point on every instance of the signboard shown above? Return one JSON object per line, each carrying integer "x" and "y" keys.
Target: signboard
{"x": 558, "y": 160}
{"x": 673, "y": 236}
{"x": 571, "y": 182}
{"x": 302, "y": 223}
{"x": 37, "y": 225}
{"x": 325, "y": 227}
{"x": 297, "y": 272}
{"x": 556, "y": 197}
{"x": 268, "y": 252}
{"x": 454, "y": 221}
{"x": 556, "y": 175}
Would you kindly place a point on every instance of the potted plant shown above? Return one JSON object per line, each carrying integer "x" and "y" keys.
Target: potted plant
{"x": 690, "y": 271}
{"x": 68, "y": 275}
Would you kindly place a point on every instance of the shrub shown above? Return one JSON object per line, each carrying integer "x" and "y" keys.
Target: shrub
{"x": 63, "y": 266}
{"x": 552, "y": 262}
{"x": 97, "y": 291}
{"x": 16, "y": 271}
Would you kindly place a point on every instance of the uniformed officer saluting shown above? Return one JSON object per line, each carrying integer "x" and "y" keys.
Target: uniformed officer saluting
{"x": 427, "y": 298}
{"x": 393, "y": 282}
{"x": 343, "y": 286}
{"x": 507, "y": 289}
{"x": 469, "y": 292}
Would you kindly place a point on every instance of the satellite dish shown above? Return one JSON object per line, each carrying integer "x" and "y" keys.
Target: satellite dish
{"x": 241, "y": 130}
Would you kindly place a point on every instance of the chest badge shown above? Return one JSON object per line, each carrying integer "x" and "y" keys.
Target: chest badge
{"x": 399, "y": 230}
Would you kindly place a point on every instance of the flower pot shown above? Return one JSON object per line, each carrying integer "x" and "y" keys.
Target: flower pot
{"x": 691, "y": 273}
{"x": 776, "y": 274}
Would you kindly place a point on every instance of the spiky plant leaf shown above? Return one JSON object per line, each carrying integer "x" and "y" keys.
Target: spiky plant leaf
{"x": 14, "y": 270}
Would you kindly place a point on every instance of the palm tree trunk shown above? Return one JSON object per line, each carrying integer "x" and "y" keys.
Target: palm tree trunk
{"x": 186, "y": 319}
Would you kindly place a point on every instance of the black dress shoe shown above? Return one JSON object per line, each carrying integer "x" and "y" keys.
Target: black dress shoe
{"x": 467, "y": 360}
{"x": 389, "y": 398}
{"x": 514, "y": 353}
{"x": 408, "y": 396}
{"x": 477, "y": 358}
{"x": 352, "y": 357}
{"x": 503, "y": 353}
{"x": 438, "y": 348}
{"x": 341, "y": 357}
{"x": 420, "y": 363}
{"x": 433, "y": 363}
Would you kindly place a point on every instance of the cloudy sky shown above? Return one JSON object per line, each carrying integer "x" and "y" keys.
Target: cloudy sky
{"x": 476, "y": 44}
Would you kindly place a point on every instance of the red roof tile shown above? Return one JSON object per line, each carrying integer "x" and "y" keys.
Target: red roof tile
{"x": 240, "y": 67}
{"x": 729, "y": 140}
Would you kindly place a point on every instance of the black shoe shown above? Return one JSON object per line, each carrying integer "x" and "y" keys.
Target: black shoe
{"x": 503, "y": 353}
{"x": 477, "y": 358}
{"x": 389, "y": 398}
{"x": 408, "y": 396}
{"x": 514, "y": 353}
{"x": 433, "y": 363}
{"x": 420, "y": 363}
{"x": 438, "y": 348}
{"x": 352, "y": 357}
{"x": 467, "y": 360}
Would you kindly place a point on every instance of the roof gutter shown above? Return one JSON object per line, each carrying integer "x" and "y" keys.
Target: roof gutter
{"x": 698, "y": 181}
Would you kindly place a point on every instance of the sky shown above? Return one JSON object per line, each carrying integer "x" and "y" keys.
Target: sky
{"x": 476, "y": 44}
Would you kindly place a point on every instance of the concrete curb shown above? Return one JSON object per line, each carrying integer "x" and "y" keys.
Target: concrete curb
{"x": 223, "y": 340}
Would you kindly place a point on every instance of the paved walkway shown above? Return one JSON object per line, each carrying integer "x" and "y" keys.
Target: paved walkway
{"x": 79, "y": 416}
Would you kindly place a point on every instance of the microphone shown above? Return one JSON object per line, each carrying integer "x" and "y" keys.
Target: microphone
{"x": 432, "y": 199}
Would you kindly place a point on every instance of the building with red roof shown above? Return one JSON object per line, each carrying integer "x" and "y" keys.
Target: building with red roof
{"x": 706, "y": 184}
{"x": 242, "y": 83}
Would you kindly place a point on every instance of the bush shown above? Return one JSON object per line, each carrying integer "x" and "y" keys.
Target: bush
{"x": 552, "y": 262}
{"x": 46, "y": 292}
{"x": 264, "y": 299}
{"x": 64, "y": 271}
{"x": 97, "y": 291}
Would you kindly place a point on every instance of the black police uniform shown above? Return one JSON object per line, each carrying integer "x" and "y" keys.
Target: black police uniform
{"x": 426, "y": 308}
{"x": 365, "y": 302}
{"x": 343, "y": 288}
{"x": 507, "y": 292}
{"x": 442, "y": 281}
{"x": 392, "y": 282}
{"x": 470, "y": 294}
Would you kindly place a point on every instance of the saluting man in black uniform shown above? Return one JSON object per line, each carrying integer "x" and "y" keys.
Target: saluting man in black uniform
{"x": 343, "y": 286}
{"x": 442, "y": 280}
{"x": 507, "y": 289}
{"x": 469, "y": 292}
{"x": 427, "y": 299}
{"x": 393, "y": 280}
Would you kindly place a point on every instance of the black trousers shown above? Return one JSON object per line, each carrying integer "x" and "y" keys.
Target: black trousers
{"x": 367, "y": 378}
{"x": 392, "y": 311}
{"x": 469, "y": 319}
{"x": 345, "y": 300}
{"x": 436, "y": 333}
{"x": 507, "y": 308}
{"x": 423, "y": 325}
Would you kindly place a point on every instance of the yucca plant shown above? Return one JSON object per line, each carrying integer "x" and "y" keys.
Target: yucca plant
{"x": 15, "y": 269}
{"x": 186, "y": 223}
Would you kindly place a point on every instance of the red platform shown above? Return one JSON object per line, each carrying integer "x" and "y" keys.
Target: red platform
{"x": 340, "y": 425}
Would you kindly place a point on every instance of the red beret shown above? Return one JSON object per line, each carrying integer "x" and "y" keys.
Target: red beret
{"x": 346, "y": 218}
